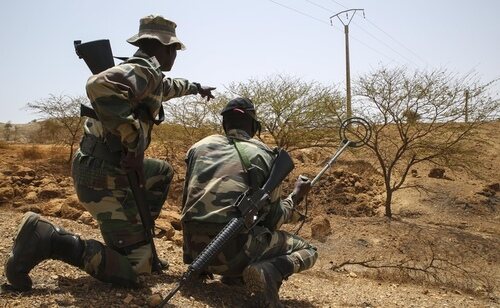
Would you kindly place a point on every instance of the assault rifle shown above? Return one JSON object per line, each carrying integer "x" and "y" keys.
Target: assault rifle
{"x": 249, "y": 204}
{"x": 99, "y": 57}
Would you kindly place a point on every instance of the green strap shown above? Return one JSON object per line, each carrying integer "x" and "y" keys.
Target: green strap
{"x": 245, "y": 161}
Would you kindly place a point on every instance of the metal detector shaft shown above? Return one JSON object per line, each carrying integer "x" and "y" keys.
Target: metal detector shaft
{"x": 330, "y": 162}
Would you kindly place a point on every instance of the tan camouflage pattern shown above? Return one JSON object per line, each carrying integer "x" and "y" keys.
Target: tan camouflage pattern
{"x": 157, "y": 27}
{"x": 215, "y": 178}
{"x": 103, "y": 190}
{"x": 118, "y": 93}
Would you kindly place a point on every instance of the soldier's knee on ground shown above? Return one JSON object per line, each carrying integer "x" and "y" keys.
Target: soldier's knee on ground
{"x": 107, "y": 265}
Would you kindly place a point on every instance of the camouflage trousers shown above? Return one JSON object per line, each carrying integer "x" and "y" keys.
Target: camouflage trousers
{"x": 103, "y": 190}
{"x": 260, "y": 244}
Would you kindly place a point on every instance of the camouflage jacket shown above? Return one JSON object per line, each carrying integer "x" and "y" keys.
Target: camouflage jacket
{"x": 128, "y": 97}
{"x": 215, "y": 177}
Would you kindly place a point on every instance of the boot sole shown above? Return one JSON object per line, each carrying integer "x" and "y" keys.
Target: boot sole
{"x": 26, "y": 227}
{"x": 253, "y": 280}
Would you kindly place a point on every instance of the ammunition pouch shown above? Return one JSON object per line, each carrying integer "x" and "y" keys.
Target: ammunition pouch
{"x": 98, "y": 148}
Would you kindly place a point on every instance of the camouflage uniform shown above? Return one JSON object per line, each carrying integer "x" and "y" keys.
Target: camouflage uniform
{"x": 215, "y": 178}
{"x": 127, "y": 99}
{"x": 135, "y": 86}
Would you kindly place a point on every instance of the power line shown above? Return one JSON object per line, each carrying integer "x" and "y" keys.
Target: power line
{"x": 324, "y": 22}
{"x": 368, "y": 33}
{"x": 387, "y": 45}
{"x": 401, "y": 44}
{"x": 339, "y": 4}
{"x": 302, "y": 13}
{"x": 388, "y": 35}
{"x": 320, "y": 6}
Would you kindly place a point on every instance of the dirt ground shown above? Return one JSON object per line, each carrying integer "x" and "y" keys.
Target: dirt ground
{"x": 441, "y": 249}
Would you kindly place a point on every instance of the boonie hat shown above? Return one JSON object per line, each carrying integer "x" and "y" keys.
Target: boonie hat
{"x": 157, "y": 27}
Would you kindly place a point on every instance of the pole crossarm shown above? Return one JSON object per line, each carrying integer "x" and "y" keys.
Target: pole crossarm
{"x": 347, "y": 16}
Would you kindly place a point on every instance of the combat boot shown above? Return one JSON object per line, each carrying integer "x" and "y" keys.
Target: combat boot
{"x": 264, "y": 280}
{"x": 38, "y": 240}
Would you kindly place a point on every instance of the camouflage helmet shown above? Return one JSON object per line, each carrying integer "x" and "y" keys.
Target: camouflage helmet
{"x": 159, "y": 28}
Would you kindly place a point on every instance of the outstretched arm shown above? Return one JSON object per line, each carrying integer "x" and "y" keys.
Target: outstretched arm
{"x": 177, "y": 87}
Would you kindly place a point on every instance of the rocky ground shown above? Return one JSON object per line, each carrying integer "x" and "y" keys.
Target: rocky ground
{"x": 440, "y": 250}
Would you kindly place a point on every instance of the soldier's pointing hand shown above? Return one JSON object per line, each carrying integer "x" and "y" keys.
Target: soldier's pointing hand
{"x": 205, "y": 91}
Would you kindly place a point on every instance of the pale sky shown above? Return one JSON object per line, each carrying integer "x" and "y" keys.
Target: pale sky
{"x": 232, "y": 41}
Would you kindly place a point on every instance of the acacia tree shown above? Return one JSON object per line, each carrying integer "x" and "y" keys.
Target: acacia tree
{"x": 187, "y": 120}
{"x": 7, "y": 130}
{"x": 418, "y": 117}
{"x": 297, "y": 114}
{"x": 64, "y": 111}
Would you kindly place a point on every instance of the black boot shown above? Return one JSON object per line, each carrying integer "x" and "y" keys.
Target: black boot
{"x": 264, "y": 280}
{"x": 38, "y": 240}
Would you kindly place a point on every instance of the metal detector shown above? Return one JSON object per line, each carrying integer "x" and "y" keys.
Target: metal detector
{"x": 354, "y": 132}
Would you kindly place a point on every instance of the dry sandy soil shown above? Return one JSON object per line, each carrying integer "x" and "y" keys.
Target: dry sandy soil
{"x": 441, "y": 249}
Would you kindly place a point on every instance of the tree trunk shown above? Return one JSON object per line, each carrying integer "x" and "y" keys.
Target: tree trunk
{"x": 70, "y": 154}
{"x": 388, "y": 201}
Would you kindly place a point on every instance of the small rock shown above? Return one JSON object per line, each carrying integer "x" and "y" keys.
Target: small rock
{"x": 320, "y": 228}
{"x": 6, "y": 193}
{"x": 154, "y": 300}
{"x": 165, "y": 228}
{"x": 352, "y": 275}
{"x": 86, "y": 218}
{"x": 128, "y": 299}
{"x": 31, "y": 197}
{"x": 437, "y": 173}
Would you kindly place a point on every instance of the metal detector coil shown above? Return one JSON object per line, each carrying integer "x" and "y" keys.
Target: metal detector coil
{"x": 355, "y": 131}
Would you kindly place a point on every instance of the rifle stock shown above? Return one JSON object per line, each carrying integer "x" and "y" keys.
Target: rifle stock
{"x": 248, "y": 205}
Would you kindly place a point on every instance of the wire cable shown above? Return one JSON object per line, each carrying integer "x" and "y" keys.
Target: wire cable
{"x": 394, "y": 39}
{"x": 324, "y": 22}
{"x": 388, "y": 35}
{"x": 368, "y": 33}
{"x": 302, "y": 13}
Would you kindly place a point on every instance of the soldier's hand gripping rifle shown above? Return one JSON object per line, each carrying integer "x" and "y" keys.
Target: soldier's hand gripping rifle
{"x": 99, "y": 57}
{"x": 354, "y": 132}
{"x": 249, "y": 205}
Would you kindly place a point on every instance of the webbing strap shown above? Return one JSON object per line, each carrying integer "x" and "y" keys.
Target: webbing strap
{"x": 245, "y": 160}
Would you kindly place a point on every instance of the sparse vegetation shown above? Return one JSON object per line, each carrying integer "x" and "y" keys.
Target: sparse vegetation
{"x": 32, "y": 152}
{"x": 418, "y": 117}
{"x": 3, "y": 144}
{"x": 63, "y": 122}
{"x": 297, "y": 114}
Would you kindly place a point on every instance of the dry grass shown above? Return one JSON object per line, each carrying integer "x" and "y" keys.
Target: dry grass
{"x": 4, "y": 144}
{"x": 32, "y": 152}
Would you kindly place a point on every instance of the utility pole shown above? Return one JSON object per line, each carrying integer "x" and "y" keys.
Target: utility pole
{"x": 466, "y": 111}
{"x": 347, "y": 62}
